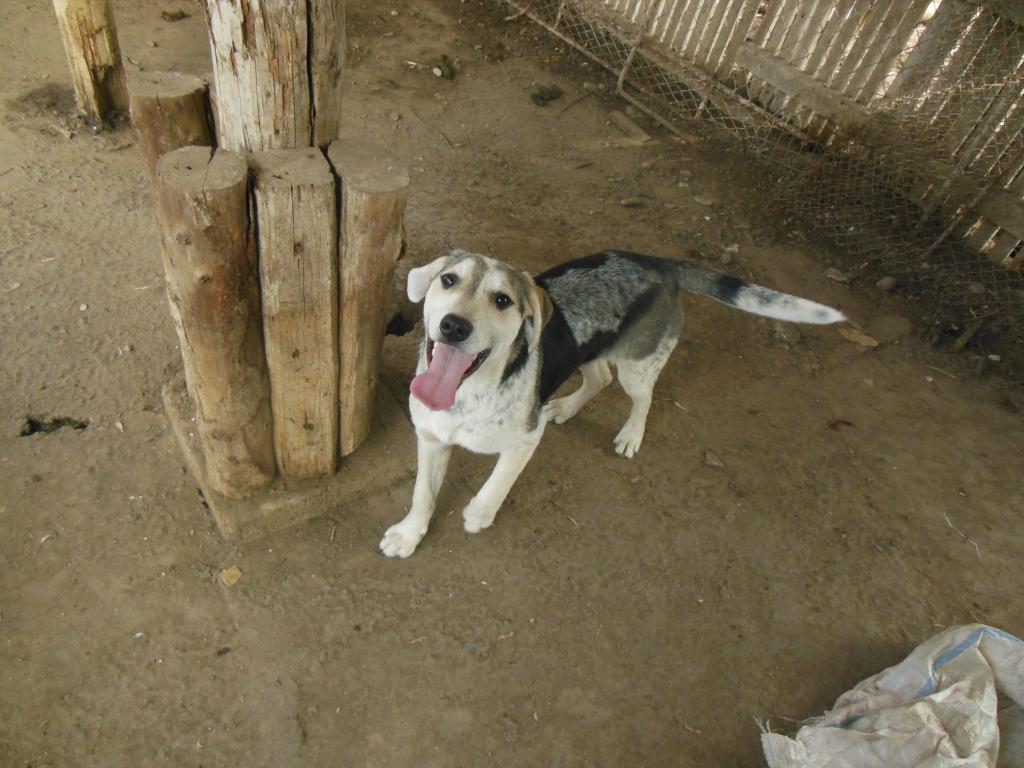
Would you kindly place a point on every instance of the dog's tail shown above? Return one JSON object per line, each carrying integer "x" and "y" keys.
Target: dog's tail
{"x": 755, "y": 299}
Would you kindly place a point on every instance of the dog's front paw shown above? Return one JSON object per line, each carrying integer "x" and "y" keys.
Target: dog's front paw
{"x": 627, "y": 442}
{"x": 400, "y": 540}
{"x": 477, "y": 516}
{"x": 559, "y": 411}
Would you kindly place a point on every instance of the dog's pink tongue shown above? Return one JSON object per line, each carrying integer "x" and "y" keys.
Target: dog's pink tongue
{"x": 436, "y": 386}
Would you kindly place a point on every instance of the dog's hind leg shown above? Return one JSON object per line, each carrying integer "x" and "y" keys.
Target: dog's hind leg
{"x": 596, "y": 376}
{"x": 483, "y": 507}
{"x": 401, "y": 539}
{"x": 637, "y": 378}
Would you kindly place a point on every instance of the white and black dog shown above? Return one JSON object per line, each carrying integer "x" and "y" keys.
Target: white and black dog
{"x": 499, "y": 343}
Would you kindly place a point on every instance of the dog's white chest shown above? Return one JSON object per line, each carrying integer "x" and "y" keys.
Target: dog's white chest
{"x": 484, "y": 423}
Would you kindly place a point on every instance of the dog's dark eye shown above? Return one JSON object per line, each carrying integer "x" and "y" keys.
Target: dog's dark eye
{"x": 448, "y": 280}
{"x": 502, "y": 300}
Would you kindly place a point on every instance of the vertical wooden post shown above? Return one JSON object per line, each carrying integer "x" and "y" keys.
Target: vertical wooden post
{"x": 374, "y": 188}
{"x": 277, "y": 71}
{"x": 297, "y": 225}
{"x": 94, "y": 55}
{"x": 169, "y": 110}
{"x": 210, "y": 267}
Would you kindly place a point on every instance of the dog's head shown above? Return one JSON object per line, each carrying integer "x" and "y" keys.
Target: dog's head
{"x": 474, "y": 309}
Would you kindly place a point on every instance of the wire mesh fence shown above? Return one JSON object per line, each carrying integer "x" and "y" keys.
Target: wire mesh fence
{"x": 896, "y": 128}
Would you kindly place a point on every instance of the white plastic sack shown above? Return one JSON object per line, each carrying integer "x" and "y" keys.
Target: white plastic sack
{"x": 957, "y": 700}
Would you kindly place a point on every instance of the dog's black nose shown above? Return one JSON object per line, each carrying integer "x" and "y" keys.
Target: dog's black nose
{"x": 455, "y": 329}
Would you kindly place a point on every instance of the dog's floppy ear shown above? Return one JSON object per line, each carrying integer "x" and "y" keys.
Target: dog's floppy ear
{"x": 421, "y": 277}
{"x": 539, "y": 307}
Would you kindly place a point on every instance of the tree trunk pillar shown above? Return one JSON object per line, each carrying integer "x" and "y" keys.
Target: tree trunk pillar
{"x": 211, "y": 272}
{"x": 94, "y": 55}
{"x": 374, "y": 188}
{"x": 277, "y": 68}
{"x": 169, "y": 110}
{"x": 297, "y": 225}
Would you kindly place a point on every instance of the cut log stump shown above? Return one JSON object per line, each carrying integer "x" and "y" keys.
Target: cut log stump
{"x": 210, "y": 268}
{"x": 170, "y": 111}
{"x": 277, "y": 68}
{"x": 94, "y": 55}
{"x": 297, "y": 226}
{"x": 374, "y": 188}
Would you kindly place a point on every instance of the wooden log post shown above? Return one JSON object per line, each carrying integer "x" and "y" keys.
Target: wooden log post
{"x": 374, "y": 188}
{"x": 277, "y": 71}
{"x": 170, "y": 111}
{"x": 94, "y": 55}
{"x": 297, "y": 225}
{"x": 210, "y": 268}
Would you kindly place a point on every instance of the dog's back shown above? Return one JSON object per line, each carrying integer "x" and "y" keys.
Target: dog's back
{"x": 623, "y": 306}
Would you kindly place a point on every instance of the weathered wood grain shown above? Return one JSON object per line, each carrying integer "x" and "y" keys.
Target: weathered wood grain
{"x": 374, "y": 187}
{"x": 277, "y": 68}
{"x": 170, "y": 111}
{"x": 94, "y": 55}
{"x": 296, "y": 218}
{"x": 210, "y": 268}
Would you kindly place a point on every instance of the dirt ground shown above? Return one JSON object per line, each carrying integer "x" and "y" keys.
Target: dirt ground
{"x": 620, "y": 613}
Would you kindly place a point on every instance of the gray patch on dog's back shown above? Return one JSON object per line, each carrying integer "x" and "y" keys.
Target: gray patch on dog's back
{"x": 596, "y": 300}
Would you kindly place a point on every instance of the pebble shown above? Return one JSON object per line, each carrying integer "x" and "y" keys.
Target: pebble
{"x": 703, "y": 200}
{"x": 712, "y": 460}
{"x": 725, "y": 259}
{"x": 834, "y": 274}
{"x": 861, "y": 339}
{"x": 886, "y": 284}
{"x": 82, "y": 307}
{"x": 786, "y": 332}
{"x": 230, "y": 576}
{"x": 632, "y": 202}
{"x": 994, "y": 358}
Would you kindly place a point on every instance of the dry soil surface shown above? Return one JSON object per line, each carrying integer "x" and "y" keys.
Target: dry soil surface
{"x": 801, "y": 515}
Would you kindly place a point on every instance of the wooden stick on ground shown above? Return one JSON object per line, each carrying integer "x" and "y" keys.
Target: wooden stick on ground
{"x": 297, "y": 224}
{"x": 169, "y": 110}
{"x": 94, "y": 55}
{"x": 374, "y": 188}
{"x": 210, "y": 267}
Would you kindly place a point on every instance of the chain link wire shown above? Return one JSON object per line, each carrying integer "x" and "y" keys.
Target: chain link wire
{"x": 902, "y": 188}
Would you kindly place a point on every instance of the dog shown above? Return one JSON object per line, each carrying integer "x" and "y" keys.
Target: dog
{"x": 499, "y": 343}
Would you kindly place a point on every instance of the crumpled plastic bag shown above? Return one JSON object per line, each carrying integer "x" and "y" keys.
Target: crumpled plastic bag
{"x": 957, "y": 700}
